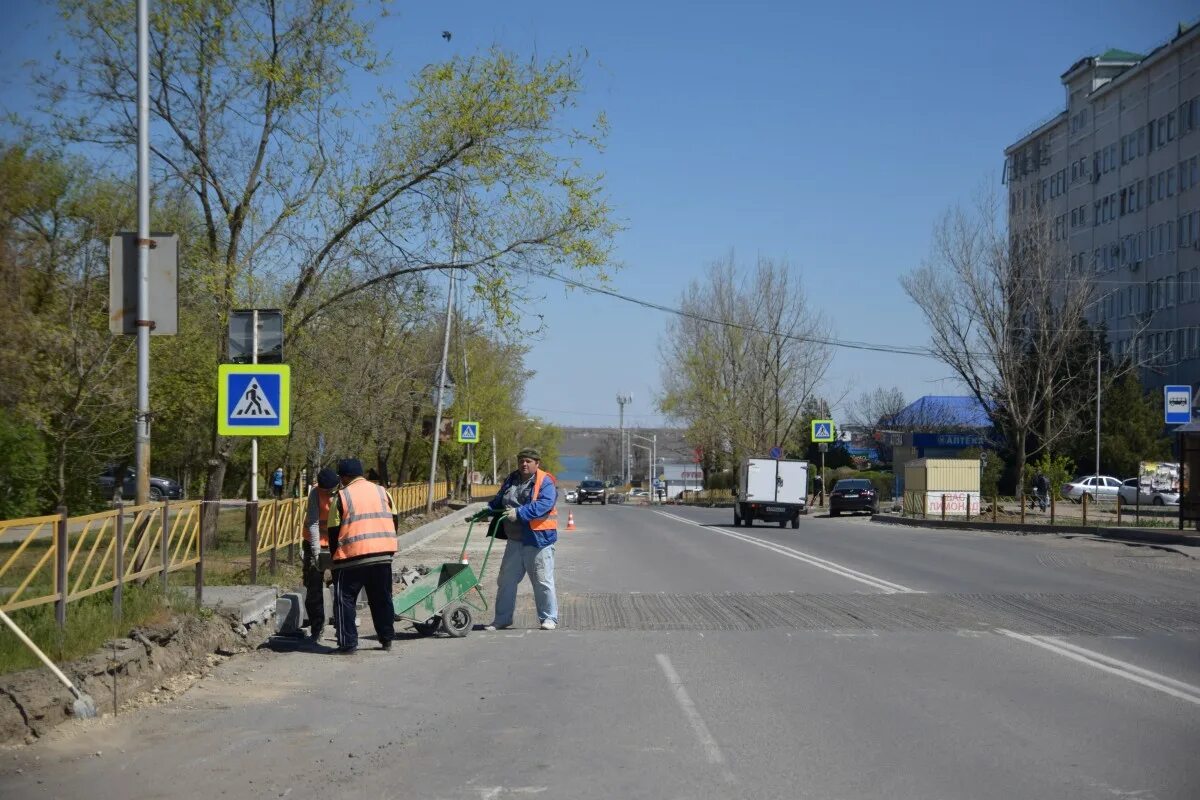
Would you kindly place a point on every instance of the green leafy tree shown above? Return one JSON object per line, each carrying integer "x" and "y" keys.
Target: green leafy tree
{"x": 251, "y": 98}
{"x": 1131, "y": 429}
{"x": 22, "y": 468}
{"x": 1058, "y": 469}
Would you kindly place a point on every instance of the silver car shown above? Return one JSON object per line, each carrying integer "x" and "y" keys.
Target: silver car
{"x": 1096, "y": 487}
{"x": 1148, "y": 495}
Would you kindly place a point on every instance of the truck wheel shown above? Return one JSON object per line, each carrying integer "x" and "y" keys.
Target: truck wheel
{"x": 833, "y": 513}
{"x": 737, "y": 518}
{"x": 748, "y": 522}
{"x": 796, "y": 521}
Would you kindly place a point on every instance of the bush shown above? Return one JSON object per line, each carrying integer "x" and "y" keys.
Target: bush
{"x": 22, "y": 466}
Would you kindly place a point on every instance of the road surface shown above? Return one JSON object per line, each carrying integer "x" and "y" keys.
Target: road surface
{"x": 844, "y": 659}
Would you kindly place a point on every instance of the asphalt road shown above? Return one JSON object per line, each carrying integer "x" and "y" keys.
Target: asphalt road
{"x": 696, "y": 660}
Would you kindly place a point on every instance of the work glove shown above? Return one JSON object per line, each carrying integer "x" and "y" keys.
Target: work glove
{"x": 511, "y": 515}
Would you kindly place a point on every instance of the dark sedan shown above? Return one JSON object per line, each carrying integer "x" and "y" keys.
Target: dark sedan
{"x": 591, "y": 492}
{"x": 853, "y": 494}
{"x": 160, "y": 488}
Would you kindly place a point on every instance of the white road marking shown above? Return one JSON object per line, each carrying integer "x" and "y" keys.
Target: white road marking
{"x": 1113, "y": 666}
{"x": 885, "y": 586}
{"x": 711, "y": 750}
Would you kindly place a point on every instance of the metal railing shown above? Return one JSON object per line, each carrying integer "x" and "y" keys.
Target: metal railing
{"x": 59, "y": 559}
{"x": 1029, "y": 510}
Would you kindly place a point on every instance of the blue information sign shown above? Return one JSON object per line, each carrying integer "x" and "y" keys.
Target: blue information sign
{"x": 1177, "y": 404}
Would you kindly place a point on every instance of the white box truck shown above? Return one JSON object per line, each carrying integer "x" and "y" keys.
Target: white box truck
{"x": 772, "y": 490}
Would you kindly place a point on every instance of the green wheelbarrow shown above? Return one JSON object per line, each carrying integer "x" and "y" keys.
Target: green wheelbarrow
{"x": 439, "y": 600}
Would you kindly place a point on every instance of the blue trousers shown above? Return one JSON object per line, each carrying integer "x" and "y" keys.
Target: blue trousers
{"x": 538, "y": 562}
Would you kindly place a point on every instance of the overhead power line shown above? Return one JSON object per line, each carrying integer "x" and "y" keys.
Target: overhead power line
{"x": 829, "y": 341}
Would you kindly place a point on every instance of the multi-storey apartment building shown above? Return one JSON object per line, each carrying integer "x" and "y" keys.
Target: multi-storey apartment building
{"x": 1116, "y": 179}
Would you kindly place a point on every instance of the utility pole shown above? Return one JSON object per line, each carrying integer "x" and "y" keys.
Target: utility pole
{"x": 144, "y": 324}
{"x": 494, "y": 477}
{"x": 1098, "y": 424}
{"x": 437, "y": 414}
{"x": 622, "y": 399}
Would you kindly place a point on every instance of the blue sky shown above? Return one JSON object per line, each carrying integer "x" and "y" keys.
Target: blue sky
{"x": 830, "y": 135}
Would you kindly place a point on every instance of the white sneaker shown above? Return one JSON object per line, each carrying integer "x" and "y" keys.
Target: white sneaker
{"x": 495, "y": 627}
{"x": 549, "y": 624}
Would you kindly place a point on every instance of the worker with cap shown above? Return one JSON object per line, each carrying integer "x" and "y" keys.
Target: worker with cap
{"x": 530, "y": 525}
{"x": 316, "y": 548}
{"x": 362, "y": 548}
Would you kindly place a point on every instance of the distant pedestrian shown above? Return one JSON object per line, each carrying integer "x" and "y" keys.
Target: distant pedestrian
{"x": 362, "y": 548}
{"x": 277, "y": 483}
{"x": 316, "y": 548}
{"x": 1041, "y": 489}
{"x": 530, "y": 496}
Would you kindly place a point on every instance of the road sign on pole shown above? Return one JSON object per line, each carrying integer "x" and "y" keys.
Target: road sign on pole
{"x": 1177, "y": 404}
{"x": 123, "y": 284}
{"x": 253, "y": 399}
{"x": 822, "y": 430}
{"x": 776, "y": 452}
{"x": 468, "y": 432}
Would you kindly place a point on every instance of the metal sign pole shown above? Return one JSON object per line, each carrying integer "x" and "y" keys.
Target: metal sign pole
{"x": 142, "y": 422}
{"x": 254, "y": 441}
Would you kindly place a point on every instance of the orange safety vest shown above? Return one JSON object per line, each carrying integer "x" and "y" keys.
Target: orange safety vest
{"x": 367, "y": 526}
{"x": 550, "y": 520}
{"x": 324, "y": 501}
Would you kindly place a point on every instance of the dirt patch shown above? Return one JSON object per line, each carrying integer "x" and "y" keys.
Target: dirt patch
{"x": 152, "y": 664}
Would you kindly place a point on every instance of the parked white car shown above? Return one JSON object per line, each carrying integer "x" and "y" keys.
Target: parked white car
{"x": 1149, "y": 495}
{"x": 571, "y": 495}
{"x": 1097, "y": 487}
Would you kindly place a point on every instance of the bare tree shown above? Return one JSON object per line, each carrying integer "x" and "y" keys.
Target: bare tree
{"x": 1007, "y": 313}
{"x": 741, "y": 361}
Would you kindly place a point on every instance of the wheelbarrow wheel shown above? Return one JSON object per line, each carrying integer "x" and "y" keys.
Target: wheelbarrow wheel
{"x": 456, "y": 619}
{"x": 429, "y": 627}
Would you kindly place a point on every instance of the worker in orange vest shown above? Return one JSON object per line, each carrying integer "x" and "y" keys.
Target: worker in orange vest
{"x": 529, "y": 496}
{"x": 362, "y": 532}
{"x": 316, "y": 549}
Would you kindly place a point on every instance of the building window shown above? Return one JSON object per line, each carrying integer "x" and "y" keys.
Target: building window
{"x": 1151, "y": 181}
{"x": 1170, "y": 236}
{"x": 1171, "y": 182}
{"x": 1171, "y": 126}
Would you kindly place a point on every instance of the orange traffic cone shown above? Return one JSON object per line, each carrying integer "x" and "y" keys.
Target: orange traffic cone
{"x": 570, "y": 520}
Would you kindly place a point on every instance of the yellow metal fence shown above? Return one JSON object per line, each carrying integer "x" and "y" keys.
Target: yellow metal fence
{"x": 59, "y": 559}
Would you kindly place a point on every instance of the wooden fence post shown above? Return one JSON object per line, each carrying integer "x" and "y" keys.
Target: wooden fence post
{"x": 1052, "y": 516}
{"x": 200, "y": 561}
{"x": 252, "y": 537}
{"x": 943, "y": 506}
{"x": 1118, "y": 511}
{"x": 119, "y": 563}
{"x": 276, "y": 527}
{"x": 61, "y": 586}
{"x": 1085, "y": 504}
{"x": 165, "y": 539}
{"x": 995, "y": 506}
{"x": 1022, "y": 499}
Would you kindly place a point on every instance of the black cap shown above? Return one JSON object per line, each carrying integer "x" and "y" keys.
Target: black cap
{"x": 350, "y": 467}
{"x": 327, "y": 479}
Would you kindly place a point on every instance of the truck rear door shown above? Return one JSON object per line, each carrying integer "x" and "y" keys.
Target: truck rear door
{"x": 760, "y": 480}
{"x": 792, "y": 483}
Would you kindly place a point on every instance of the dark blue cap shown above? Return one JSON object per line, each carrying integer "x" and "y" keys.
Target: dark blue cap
{"x": 350, "y": 467}
{"x": 327, "y": 479}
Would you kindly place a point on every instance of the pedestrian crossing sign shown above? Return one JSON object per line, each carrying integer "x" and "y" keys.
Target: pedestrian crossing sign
{"x": 468, "y": 432}
{"x": 822, "y": 430}
{"x": 253, "y": 400}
